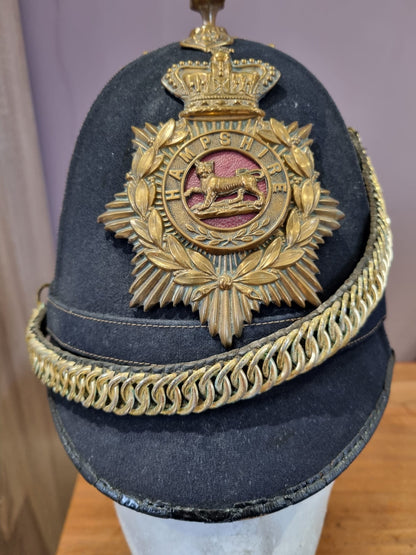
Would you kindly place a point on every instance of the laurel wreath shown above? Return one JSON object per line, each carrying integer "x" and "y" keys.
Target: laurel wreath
{"x": 192, "y": 268}
{"x": 217, "y": 239}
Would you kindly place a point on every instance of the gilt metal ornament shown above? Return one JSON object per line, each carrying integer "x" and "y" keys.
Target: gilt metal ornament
{"x": 209, "y": 35}
{"x": 225, "y": 213}
{"x": 224, "y": 209}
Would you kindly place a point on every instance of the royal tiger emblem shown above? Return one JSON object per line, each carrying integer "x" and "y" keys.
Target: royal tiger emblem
{"x": 213, "y": 186}
{"x": 224, "y": 209}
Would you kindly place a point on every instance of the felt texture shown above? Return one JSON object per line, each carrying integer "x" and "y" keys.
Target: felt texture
{"x": 114, "y": 340}
{"x": 241, "y": 460}
{"x": 93, "y": 270}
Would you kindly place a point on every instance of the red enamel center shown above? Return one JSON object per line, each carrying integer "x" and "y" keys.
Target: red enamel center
{"x": 225, "y": 164}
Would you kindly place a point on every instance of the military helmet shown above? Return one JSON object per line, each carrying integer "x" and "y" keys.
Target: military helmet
{"x": 223, "y": 232}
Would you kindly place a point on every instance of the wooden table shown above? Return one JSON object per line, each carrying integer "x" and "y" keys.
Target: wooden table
{"x": 372, "y": 509}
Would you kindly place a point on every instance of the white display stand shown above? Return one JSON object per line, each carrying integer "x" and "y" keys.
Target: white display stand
{"x": 294, "y": 530}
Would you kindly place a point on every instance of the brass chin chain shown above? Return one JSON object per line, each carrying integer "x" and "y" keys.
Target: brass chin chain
{"x": 243, "y": 373}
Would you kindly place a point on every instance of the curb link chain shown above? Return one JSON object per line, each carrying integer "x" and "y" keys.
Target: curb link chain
{"x": 301, "y": 347}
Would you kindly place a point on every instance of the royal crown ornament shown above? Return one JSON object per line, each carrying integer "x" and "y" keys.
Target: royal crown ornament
{"x": 221, "y": 89}
{"x": 224, "y": 208}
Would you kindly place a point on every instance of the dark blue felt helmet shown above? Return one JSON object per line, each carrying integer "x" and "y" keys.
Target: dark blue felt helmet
{"x": 206, "y": 257}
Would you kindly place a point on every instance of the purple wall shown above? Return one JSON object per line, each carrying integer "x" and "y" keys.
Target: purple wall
{"x": 362, "y": 50}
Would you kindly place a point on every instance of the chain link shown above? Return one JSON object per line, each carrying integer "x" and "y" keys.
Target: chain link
{"x": 301, "y": 347}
